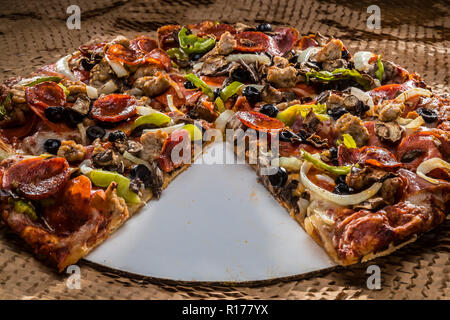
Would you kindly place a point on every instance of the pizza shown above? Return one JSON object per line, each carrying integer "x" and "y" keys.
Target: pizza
{"x": 354, "y": 146}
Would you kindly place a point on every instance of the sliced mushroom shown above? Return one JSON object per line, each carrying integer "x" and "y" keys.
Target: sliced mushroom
{"x": 271, "y": 95}
{"x": 105, "y": 158}
{"x": 388, "y": 131}
{"x": 311, "y": 121}
{"x": 389, "y": 110}
{"x": 134, "y": 147}
{"x": 215, "y": 66}
{"x": 82, "y": 104}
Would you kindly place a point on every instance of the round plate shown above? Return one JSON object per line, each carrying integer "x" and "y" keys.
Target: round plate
{"x": 213, "y": 223}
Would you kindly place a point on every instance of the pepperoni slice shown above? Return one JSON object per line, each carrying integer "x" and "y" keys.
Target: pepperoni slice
{"x": 72, "y": 208}
{"x": 416, "y": 148}
{"x": 378, "y": 157}
{"x": 158, "y": 57}
{"x": 143, "y": 44}
{"x": 118, "y": 52}
{"x": 165, "y": 160}
{"x": 390, "y": 91}
{"x": 22, "y": 131}
{"x": 252, "y": 41}
{"x": 374, "y": 156}
{"x": 212, "y": 28}
{"x": 37, "y": 178}
{"x": 45, "y": 94}
{"x": 114, "y": 108}
{"x": 259, "y": 121}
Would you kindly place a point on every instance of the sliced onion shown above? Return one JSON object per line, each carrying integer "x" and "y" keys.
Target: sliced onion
{"x": 177, "y": 89}
{"x": 82, "y": 130}
{"x": 86, "y": 167}
{"x": 62, "y": 67}
{"x": 326, "y": 178}
{"x": 414, "y": 125}
{"x": 429, "y": 165}
{"x": 28, "y": 80}
{"x": 171, "y": 105}
{"x": 346, "y": 199}
{"x": 361, "y": 60}
{"x": 307, "y": 53}
{"x": 408, "y": 94}
{"x": 222, "y": 119}
{"x": 91, "y": 92}
{"x": 289, "y": 163}
{"x": 169, "y": 130}
{"x": 248, "y": 58}
{"x": 143, "y": 111}
{"x": 108, "y": 87}
{"x": 118, "y": 68}
{"x": 135, "y": 159}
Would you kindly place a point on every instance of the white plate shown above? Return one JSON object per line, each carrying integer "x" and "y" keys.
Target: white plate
{"x": 213, "y": 223}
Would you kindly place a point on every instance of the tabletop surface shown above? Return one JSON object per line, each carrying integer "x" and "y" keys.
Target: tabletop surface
{"x": 416, "y": 36}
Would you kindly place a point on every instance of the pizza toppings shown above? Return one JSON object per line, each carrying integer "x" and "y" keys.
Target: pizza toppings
{"x": 416, "y": 148}
{"x": 259, "y": 121}
{"x": 170, "y": 159}
{"x": 114, "y": 108}
{"x": 45, "y": 94}
{"x": 251, "y": 41}
{"x": 357, "y": 134}
{"x": 37, "y": 178}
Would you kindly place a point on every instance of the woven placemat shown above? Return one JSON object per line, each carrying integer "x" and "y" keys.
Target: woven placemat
{"x": 416, "y": 35}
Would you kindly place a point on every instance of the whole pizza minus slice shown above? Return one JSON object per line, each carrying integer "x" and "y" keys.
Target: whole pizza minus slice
{"x": 358, "y": 147}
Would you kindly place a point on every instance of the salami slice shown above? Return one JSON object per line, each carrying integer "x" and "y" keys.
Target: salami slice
{"x": 251, "y": 41}
{"x": 259, "y": 121}
{"x": 114, "y": 108}
{"x": 37, "y": 178}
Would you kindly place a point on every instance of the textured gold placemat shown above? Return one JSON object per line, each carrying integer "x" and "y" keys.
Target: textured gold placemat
{"x": 413, "y": 33}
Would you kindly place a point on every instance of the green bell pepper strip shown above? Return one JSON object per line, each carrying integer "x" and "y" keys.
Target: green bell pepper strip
{"x": 43, "y": 79}
{"x": 178, "y": 54}
{"x": 220, "y": 105}
{"x": 194, "y": 132}
{"x": 199, "y": 83}
{"x": 348, "y": 141}
{"x": 339, "y": 74}
{"x": 103, "y": 179}
{"x": 24, "y": 207}
{"x": 157, "y": 119}
{"x": 192, "y": 44}
{"x": 288, "y": 115}
{"x": 230, "y": 90}
{"x": 66, "y": 91}
{"x": 379, "y": 73}
{"x": 339, "y": 170}
{"x": 3, "y": 111}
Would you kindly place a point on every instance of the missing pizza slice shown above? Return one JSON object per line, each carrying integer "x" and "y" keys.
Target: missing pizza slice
{"x": 356, "y": 147}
